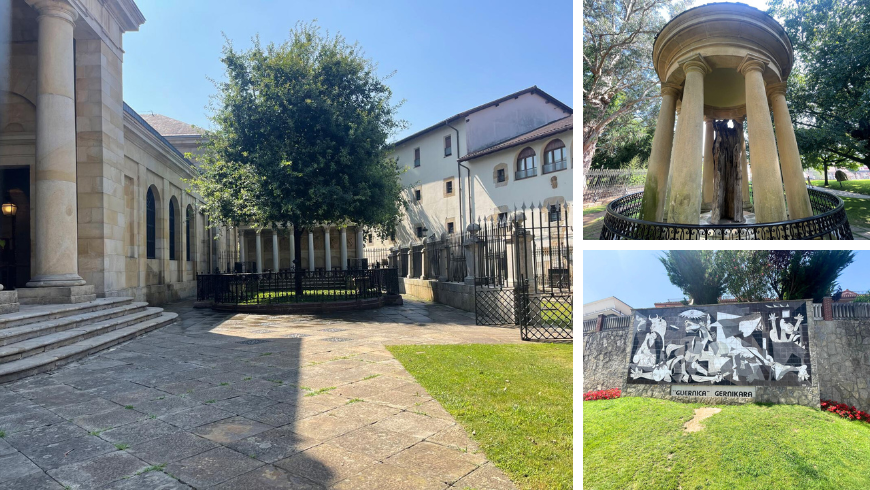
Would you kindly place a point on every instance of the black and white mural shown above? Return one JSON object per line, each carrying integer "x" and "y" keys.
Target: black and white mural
{"x": 748, "y": 344}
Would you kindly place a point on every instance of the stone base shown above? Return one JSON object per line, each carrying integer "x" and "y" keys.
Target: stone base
{"x": 8, "y": 302}
{"x": 56, "y": 295}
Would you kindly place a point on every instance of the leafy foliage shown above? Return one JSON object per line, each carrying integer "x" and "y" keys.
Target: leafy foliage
{"x": 619, "y": 82}
{"x": 696, "y": 274}
{"x": 830, "y": 86}
{"x": 797, "y": 274}
{"x": 301, "y": 137}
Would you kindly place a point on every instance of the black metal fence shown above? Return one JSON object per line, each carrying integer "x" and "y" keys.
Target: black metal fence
{"x": 457, "y": 269}
{"x": 273, "y": 288}
{"x": 829, "y": 222}
{"x": 377, "y": 256}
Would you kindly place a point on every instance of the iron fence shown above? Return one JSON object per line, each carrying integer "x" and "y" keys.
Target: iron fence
{"x": 829, "y": 222}
{"x": 610, "y": 183}
{"x": 272, "y": 288}
{"x": 457, "y": 269}
{"x": 377, "y": 256}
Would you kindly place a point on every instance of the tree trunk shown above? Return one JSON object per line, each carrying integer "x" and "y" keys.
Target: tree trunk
{"x": 826, "y": 174}
{"x": 589, "y": 146}
{"x": 727, "y": 175}
{"x": 297, "y": 260}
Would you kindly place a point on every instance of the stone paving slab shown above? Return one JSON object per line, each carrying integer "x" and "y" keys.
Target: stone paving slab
{"x": 230, "y": 401}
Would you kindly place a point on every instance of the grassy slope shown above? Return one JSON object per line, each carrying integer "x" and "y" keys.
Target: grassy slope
{"x": 592, "y": 230}
{"x": 517, "y": 399}
{"x": 857, "y": 210}
{"x": 639, "y": 443}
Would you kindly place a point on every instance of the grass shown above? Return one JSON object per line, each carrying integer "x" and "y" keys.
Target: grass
{"x": 592, "y": 229}
{"x": 320, "y": 391}
{"x": 557, "y": 313}
{"x": 639, "y": 443}
{"x": 857, "y": 186}
{"x": 515, "y": 401}
{"x": 122, "y": 447}
{"x": 2, "y": 434}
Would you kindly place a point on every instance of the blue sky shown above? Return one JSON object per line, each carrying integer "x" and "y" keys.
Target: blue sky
{"x": 639, "y": 279}
{"x": 448, "y": 56}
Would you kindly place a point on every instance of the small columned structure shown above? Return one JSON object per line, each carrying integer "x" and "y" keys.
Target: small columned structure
{"x": 720, "y": 65}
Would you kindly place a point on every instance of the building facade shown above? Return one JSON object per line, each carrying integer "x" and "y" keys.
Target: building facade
{"x": 100, "y": 201}
{"x": 482, "y": 163}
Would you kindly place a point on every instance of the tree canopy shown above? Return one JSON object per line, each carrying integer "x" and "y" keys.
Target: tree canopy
{"x": 829, "y": 89}
{"x": 696, "y": 274}
{"x": 300, "y": 137}
{"x": 619, "y": 82}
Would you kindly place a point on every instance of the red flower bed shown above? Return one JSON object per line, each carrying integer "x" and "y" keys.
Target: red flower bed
{"x": 845, "y": 411}
{"x": 602, "y": 394}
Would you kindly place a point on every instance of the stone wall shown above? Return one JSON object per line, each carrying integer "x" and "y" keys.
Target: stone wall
{"x": 605, "y": 360}
{"x": 842, "y": 356}
{"x": 455, "y": 294}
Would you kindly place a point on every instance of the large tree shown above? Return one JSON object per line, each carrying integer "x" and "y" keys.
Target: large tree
{"x": 696, "y": 273}
{"x": 618, "y": 77}
{"x": 300, "y": 138}
{"x": 829, "y": 90}
{"x": 796, "y": 274}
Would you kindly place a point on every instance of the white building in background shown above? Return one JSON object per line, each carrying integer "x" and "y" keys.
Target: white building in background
{"x": 611, "y": 306}
{"x": 484, "y": 161}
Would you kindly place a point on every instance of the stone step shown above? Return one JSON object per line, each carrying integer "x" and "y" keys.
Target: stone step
{"x": 31, "y": 330}
{"x": 37, "y": 345}
{"x": 33, "y": 314}
{"x": 49, "y": 360}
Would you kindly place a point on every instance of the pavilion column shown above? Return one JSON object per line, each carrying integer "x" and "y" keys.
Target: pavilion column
{"x": 327, "y": 249}
{"x": 359, "y": 242}
{"x": 292, "y": 247}
{"x": 660, "y": 157}
{"x": 242, "y": 254}
{"x": 744, "y": 183}
{"x": 343, "y": 247}
{"x": 55, "y": 244}
{"x": 766, "y": 180}
{"x": 797, "y": 197}
{"x": 310, "y": 249}
{"x": 707, "y": 194}
{"x": 685, "y": 197}
{"x": 276, "y": 258}
{"x": 259, "y": 245}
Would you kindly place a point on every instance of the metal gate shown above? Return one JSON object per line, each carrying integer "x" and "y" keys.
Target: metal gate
{"x": 523, "y": 271}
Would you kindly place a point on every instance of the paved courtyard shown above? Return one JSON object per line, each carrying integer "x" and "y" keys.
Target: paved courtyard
{"x": 248, "y": 402}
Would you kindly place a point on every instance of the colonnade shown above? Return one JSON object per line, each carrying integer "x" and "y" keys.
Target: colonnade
{"x": 676, "y": 173}
{"x": 276, "y": 252}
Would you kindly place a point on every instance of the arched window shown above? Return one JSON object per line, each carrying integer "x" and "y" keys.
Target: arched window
{"x": 150, "y": 226}
{"x": 172, "y": 229}
{"x": 526, "y": 164}
{"x": 554, "y": 157}
{"x": 187, "y": 226}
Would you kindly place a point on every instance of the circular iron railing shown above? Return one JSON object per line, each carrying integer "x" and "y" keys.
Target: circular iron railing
{"x": 829, "y": 222}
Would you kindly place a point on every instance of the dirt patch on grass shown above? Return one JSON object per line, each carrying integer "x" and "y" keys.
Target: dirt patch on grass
{"x": 694, "y": 425}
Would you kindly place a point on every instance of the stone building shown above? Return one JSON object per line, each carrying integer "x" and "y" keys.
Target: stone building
{"x": 484, "y": 161}
{"x": 101, "y": 207}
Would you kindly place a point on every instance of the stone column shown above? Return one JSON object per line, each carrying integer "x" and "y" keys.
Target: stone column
{"x": 655, "y": 187}
{"x": 664, "y": 204}
{"x": 343, "y": 247}
{"x": 276, "y": 258}
{"x": 424, "y": 253}
{"x": 766, "y": 181}
{"x": 359, "y": 243}
{"x": 259, "y": 245}
{"x": 55, "y": 238}
{"x": 744, "y": 184}
{"x": 409, "y": 260}
{"x": 327, "y": 249}
{"x": 685, "y": 197}
{"x": 310, "y": 249}
{"x": 796, "y": 195}
{"x": 242, "y": 254}
{"x": 707, "y": 194}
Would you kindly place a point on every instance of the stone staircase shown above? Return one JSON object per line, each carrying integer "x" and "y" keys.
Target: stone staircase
{"x": 40, "y": 338}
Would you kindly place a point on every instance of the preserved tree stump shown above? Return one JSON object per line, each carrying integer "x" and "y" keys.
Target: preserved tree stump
{"x": 727, "y": 174}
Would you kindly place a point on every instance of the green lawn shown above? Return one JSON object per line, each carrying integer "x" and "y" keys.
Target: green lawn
{"x": 859, "y": 186}
{"x": 516, "y": 400}
{"x": 639, "y": 443}
{"x": 592, "y": 229}
{"x": 557, "y": 313}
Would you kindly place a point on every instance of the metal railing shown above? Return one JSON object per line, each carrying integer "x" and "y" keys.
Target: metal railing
{"x": 296, "y": 287}
{"x": 555, "y": 166}
{"x": 589, "y": 325}
{"x": 616, "y": 322}
{"x": 377, "y": 256}
{"x": 829, "y": 222}
{"x": 524, "y": 174}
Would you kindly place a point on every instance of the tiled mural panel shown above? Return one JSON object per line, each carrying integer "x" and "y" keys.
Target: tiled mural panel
{"x": 748, "y": 344}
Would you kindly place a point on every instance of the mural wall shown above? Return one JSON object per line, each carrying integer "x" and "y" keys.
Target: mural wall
{"x": 748, "y": 344}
